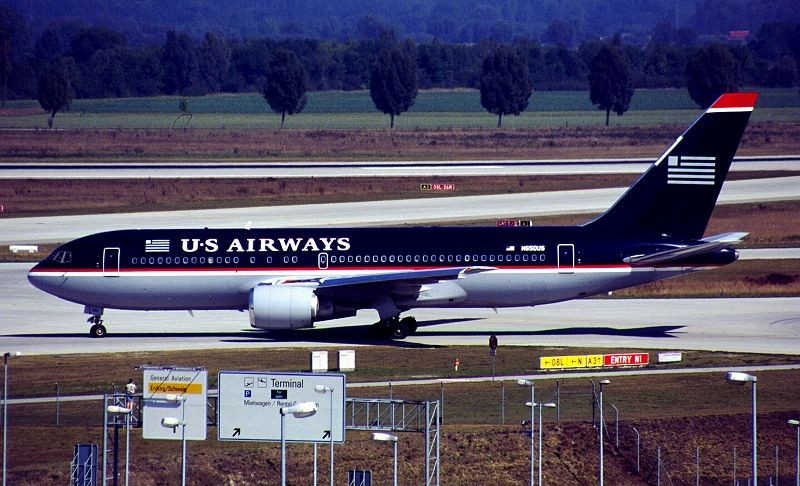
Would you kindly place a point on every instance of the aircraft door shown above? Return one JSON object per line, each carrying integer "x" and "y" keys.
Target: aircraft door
{"x": 566, "y": 258}
{"x": 111, "y": 262}
{"x": 322, "y": 261}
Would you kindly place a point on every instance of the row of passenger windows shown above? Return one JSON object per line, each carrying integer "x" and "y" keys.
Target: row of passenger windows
{"x": 346, "y": 259}
{"x": 526, "y": 257}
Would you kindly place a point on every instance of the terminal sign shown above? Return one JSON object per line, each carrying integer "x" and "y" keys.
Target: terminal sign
{"x": 250, "y": 402}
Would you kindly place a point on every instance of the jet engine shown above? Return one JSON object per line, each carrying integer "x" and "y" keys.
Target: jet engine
{"x": 283, "y": 307}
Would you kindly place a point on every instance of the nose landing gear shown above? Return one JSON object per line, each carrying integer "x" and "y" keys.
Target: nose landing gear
{"x": 97, "y": 330}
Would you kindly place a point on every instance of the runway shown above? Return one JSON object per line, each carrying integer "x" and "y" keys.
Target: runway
{"x": 452, "y": 168}
{"x": 33, "y": 322}
{"x": 370, "y": 213}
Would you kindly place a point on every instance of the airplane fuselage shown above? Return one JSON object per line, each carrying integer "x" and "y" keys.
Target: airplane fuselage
{"x": 215, "y": 269}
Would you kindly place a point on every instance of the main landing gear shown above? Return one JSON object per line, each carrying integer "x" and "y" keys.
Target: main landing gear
{"x": 396, "y": 328}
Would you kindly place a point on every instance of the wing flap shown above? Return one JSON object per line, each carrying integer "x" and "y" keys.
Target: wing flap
{"x": 706, "y": 245}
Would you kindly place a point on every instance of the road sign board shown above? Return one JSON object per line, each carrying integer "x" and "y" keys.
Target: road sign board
{"x": 161, "y": 383}
{"x": 250, "y": 402}
{"x": 577, "y": 361}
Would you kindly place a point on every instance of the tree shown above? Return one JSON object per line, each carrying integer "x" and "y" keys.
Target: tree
{"x": 55, "y": 92}
{"x": 505, "y": 87}
{"x": 610, "y": 81}
{"x": 393, "y": 81}
{"x": 286, "y": 84}
{"x": 214, "y": 61}
{"x": 5, "y": 53}
{"x": 180, "y": 64}
{"x": 711, "y": 71}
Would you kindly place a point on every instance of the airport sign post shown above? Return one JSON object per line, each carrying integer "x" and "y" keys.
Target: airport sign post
{"x": 173, "y": 393}
{"x": 250, "y": 402}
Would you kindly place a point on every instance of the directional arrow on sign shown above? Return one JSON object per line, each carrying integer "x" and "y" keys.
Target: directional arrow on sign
{"x": 326, "y": 434}
{"x": 237, "y": 432}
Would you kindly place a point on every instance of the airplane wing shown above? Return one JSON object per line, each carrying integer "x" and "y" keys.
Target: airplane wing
{"x": 707, "y": 245}
{"x": 413, "y": 277}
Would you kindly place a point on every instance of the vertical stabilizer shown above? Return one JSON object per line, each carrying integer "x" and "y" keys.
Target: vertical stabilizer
{"x": 677, "y": 194}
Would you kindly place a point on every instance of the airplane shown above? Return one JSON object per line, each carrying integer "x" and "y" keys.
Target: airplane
{"x": 293, "y": 278}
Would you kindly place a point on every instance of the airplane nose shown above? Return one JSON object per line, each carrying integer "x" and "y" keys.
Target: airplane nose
{"x": 44, "y": 280}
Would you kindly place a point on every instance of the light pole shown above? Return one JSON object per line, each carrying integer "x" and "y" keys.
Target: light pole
{"x": 602, "y": 382}
{"x": 739, "y": 378}
{"x": 796, "y": 424}
{"x": 540, "y": 405}
{"x": 301, "y": 410}
{"x": 117, "y": 410}
{"x": 383, "y": 437}
{"x": 5, "y": 410}
{"x": 533, "y": 387}
{"x": 172, "y": 422}
{"x": 326, "y": 389}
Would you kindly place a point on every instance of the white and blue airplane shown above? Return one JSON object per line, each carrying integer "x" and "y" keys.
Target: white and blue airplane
{"x": 292, "y": 278}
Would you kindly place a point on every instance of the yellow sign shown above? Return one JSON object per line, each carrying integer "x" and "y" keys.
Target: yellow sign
{"x": 551, "y": 362}
{"x": 180, "y": 388}
{"x": 562, "y": 362}
{"x": 594, "y": 361}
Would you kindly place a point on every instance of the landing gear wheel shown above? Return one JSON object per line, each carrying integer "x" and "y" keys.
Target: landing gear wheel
{"x": 411, "y": 323}
{"x": 399, "y": 329}
{"x": 97, "y": 331}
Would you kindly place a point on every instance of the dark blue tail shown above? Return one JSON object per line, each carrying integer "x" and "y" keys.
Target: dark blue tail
{"x": 677, "y": 194}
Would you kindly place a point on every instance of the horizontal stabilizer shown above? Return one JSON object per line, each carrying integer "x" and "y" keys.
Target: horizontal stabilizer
{"x": 706, "y": 245}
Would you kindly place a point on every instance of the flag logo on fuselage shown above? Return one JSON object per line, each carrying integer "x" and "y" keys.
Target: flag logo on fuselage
{"x": 693, "y": 170}
{"x": 156, "y": 246}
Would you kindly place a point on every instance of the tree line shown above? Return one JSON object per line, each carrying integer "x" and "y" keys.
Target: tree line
{"x": 96, "y": 62}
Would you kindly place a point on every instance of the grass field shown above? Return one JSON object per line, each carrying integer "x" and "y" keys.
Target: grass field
{"x": 349, "y": 110}
{"x": 481, "y": 442}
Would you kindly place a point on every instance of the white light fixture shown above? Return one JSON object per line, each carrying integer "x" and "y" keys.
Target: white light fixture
{"x": 5, "y": 409}
{"x": 796, "y": 424}
{"x": 326, "y": 389}
{"x": 117, "y": 410}
{"x": 300, "y": 410}
{"x": 522, "y": 382}
{"x": 173, "y": 423}
{"x": 740, "y": 378}
{"x": 384, "y": 437}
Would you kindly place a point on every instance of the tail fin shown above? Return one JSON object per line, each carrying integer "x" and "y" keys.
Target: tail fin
{"x": 677, "y": 194}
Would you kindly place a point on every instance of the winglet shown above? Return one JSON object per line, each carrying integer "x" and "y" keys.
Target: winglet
{"x": 734, "y": 102}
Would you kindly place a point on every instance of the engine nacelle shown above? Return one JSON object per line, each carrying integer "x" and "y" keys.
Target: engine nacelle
{"x": 282, "y": 307}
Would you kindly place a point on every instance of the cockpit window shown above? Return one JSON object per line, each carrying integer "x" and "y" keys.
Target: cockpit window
{"x": 61, "y": 256}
